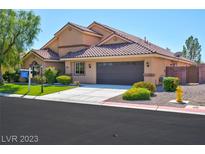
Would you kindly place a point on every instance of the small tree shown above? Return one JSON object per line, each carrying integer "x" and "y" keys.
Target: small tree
{"x": 18, "y": 29}
{"x": 192, "y": 49}
{"x": 50, "y": 74}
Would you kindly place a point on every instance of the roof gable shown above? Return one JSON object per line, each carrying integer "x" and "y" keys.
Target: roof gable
{"x": 82, "y": 29}
{"x": 49, "y": 42}
{"x": 79, "y": 28}
{"x": 114, "y": 39}
{"x": 138, "y": 40}
{"x": 44, "y": 54}
{"x": 100, "y": 25}
{"x": 47, "y": 54}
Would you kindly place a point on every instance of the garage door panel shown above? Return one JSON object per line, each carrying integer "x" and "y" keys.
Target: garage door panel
{"x": 120, "y": 72}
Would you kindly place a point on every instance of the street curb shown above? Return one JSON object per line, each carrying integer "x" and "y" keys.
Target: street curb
{"x": 189, "y": 109}
{"x": 18, "y": 96}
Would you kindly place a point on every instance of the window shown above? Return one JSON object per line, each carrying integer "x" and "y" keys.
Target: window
{"x": 80, "y": 68}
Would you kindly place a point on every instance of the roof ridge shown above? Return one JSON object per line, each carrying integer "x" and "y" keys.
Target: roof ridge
{"x": 95, "y": 22}
{"x": 114, "y": 44}
{"x": 111, "y": 36}
{"x": 118, "y": 49}
{"x": 77, "y": 25}
{"x": 84, "y": 28}
{"x": 126, "y": 43}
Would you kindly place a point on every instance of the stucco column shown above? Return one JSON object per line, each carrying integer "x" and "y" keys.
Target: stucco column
{"x": 149, "y": 72}
{"x": 68, "y": 67}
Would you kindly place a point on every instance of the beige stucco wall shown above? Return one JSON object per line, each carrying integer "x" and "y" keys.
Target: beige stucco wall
{"x": 71, "y": 36}
{"x": 54, "y": 45}
{"x": 60, "y": 66}
{"x": 101, "y": 30}
{"x": 64, "y": 51}
{"x": 90, "y": 40}
{"x": 158, "y": 68}
{"x": 155, "y": 70}
{"x": 29, "y": 59}
{"x": 90, "y": 73}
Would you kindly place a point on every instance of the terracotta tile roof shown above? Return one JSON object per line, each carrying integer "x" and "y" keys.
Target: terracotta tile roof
{"x": 136, "y": 47}
{"x": 47, "y": 54}
{"x": 122, "y": 49}
{"x": 140, "y": 41}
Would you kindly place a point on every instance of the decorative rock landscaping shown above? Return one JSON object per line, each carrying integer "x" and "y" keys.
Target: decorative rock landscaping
{"x": 195, "y": 94}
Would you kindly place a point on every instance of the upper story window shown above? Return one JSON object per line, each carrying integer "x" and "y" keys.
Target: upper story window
{"x": 79, "y": 68}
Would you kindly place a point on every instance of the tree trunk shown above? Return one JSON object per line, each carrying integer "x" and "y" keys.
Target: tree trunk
{"x": 1, "y": 77}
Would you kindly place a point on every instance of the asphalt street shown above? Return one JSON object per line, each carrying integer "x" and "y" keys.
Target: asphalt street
{"x": 26, "y": 121}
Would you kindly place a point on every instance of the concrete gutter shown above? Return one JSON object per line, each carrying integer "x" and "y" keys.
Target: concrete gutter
{"x": 189, "y": 109}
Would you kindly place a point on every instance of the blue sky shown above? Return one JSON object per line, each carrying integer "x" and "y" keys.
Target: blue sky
{"x": 166, "y": 28}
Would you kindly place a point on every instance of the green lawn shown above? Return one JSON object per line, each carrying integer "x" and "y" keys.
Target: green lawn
{"x": 35, "y": 89}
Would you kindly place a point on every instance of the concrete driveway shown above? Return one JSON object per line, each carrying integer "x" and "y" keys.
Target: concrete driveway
{"x": 87, "y": 93}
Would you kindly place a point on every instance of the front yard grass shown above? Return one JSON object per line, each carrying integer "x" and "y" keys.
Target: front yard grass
{"x": 35, "y": 89}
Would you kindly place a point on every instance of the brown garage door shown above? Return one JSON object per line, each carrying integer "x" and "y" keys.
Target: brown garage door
{"x": 120, "y": 72}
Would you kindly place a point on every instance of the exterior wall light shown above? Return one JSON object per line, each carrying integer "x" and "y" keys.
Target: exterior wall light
{"x": 147, "y": 64}
{"x": 89, "y": 65}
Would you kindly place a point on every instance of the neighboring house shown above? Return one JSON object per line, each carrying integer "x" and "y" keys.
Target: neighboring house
{"x": 104, "y": 55}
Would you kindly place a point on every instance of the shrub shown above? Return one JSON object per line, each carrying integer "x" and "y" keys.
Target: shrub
{"x": 170, "y": 83}
{"x": 148, "y": 85}
{"x": 39, "y": 80}
{"x": 23, "y": 79}
{"x": 7, "y": 76}
{"x": 137, "y": 94}
{"x": 2, "y": 83}
{"x": 11, "y": 76}
{"x": 16, "y": 76}
{"x": 50, "y": 74}
{"x": 64, "y": 79}
{"x": 77, "y": 83}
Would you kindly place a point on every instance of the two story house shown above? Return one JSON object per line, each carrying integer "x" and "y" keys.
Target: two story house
{"x": 103, "y": 55}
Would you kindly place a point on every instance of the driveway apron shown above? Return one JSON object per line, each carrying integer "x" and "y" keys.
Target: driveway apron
{"x": 87, "y": 93}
